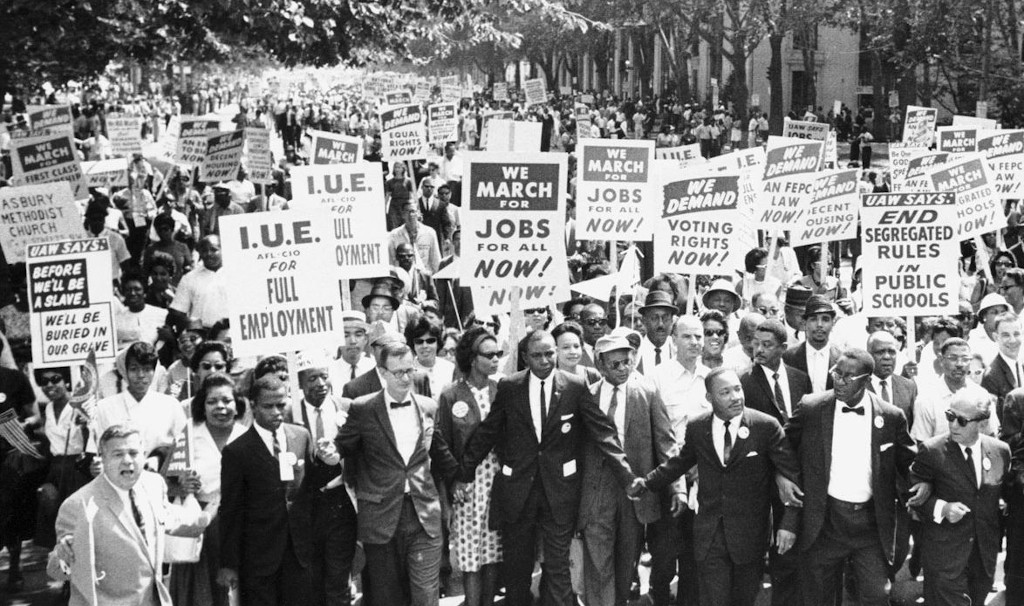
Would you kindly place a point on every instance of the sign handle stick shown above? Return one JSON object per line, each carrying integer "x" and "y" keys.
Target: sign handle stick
{"x": 691, "y": 280}
{"x": 911, "y": 340}
{"x": 773, "y": 247}
{"x": 613, "y": 262}
{"x": 455, "y": 307}
{"x": 826, "y": 253}
{"x": 983, "y": 258}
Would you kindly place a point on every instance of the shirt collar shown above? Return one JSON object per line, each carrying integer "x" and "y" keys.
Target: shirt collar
{"x": 266, "y": 434}
{"x": 973, "y": 447}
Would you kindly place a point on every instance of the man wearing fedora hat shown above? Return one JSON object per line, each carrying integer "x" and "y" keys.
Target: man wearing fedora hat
{"x": 815, "y": 355}
{"x": 659, "y": 315}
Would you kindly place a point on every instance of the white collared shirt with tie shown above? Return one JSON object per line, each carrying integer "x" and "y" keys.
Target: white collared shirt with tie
{"x": 328, "y": 415}
{"x": 405, "y": 423}
{"x": 718, "y": 434}
{"x": 783, "y": 383}
{"x": 142, "y": 502}
{"x": 268, "y": 438}
{"x": 535, "y": 412}
{"x": 605, "y": 396}
{"x": 876, "y": 384}
{"x": 1015, "y": 368}
{"x": 850, "y": 473}
{"x": 976, "y": 456}
{"x": 817, "y": 367}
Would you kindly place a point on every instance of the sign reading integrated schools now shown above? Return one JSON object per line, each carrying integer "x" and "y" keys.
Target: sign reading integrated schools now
{"x": 279, "y": 302}
{"x": 615, "y": 199}
{"x": 70, "y": 297}
{"x": 514, "y": 216}
{"x": 910, "y": 253}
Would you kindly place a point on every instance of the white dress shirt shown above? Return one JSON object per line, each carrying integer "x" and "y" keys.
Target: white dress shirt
{"x": 647, "y": 355}
{"x": 605, "y": 395}
{"x": 931, "y": 404}
{"x": 328, "y": 415}
{"x": 718, "y": 434}
{"x": 817, "y": 367}
{"x": 538, "y": 420}
{"x": 64, "y": 434}
{"x": 405, "y": 423}
{"x": 142, "y": 503}
{"x": 783, "y": 383}
{"x": 876, "y": 384}
{"x": 976, "y": 456}
{"x": 268, "y": 438}
{"x": 683, "y": 392}
{"x": 850, "y": 473}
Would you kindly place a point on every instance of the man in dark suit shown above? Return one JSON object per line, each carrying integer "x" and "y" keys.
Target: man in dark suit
{"x": 420, "y": 286}
{"x": 612, "y": 525}
{"x": 1004, "y": 374}
{"x": 776, "y": 389}
{"x": 815, "y": 356}
{"x": 333, "y": 516}
{"x": 434, "y": 211}
{"x": 455, "y": 302}
{"x": 265, "y": 510}
{"x": 890, "y": 387}
{"x": 390, "y": 435}
{"x": 962, "y": 533}
{"x": 738, "y": 453}
{"x": 853, "y": 448}
{"x": 540, "y": 421}
{"x": 372, "y": 381}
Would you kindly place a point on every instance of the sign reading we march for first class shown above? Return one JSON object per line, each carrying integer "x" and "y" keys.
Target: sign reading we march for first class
{"x": 514, "y": 219}
{"x": 70, "y": 302}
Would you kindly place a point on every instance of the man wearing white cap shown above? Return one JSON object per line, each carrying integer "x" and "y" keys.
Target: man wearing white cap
{"x": 352, "y": 359}
{"x": 983, "y": 337}
{"x": 612, "y": 525}
{"x": 722, "y": 296}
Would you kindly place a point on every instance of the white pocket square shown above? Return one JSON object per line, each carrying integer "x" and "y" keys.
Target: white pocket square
{"x": 752, "y": 453}
{"x": 568, "y": 416}
{"x": 885, "y": 447}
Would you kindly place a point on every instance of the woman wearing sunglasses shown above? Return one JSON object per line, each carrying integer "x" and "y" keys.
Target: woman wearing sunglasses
{"x": 716, "y": 336}
{"x": 209, "y": 357}
{"x": 476, "y": 550}
{"x": 424, "y": 337}
{"x": 1000, "y": 263}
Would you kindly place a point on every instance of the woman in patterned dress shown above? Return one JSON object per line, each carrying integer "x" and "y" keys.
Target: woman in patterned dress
{"x": 475, "y": 548}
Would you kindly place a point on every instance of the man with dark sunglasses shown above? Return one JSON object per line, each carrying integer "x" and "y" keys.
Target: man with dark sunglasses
{"x": 594, "y": 320}
{"x": 935, "y": 395}
{"x": 962, "y": 520}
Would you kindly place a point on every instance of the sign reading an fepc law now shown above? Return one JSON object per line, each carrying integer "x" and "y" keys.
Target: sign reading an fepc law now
{"x": 514, "y": 219}
{"x": 279, "y": 302}
{"x": 1004, "y": 150}
{"x": 354, "y": 194}
{"x": 910, "y": 253}
{"x": 35, "y": 214}
{"x": 789, "y": 171}
{"x": 699, "y": 215}
{"x": 615, "y": 196}
{"x": 70, "y": 296}
{"x": 192, "y": 134}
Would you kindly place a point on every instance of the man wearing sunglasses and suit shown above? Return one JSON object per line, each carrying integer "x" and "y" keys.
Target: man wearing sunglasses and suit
{"x": 962, "y": 531}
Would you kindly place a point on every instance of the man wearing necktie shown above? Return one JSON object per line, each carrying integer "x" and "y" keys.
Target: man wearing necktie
{"x": 816, "y": 355}
{"x": 853, "y": 449}
{"x": 389, "y": 436}
{"x": 266, "y": 538}
{"x": 885, "y": 383}
{"x": 774, "y": 388}
{"x": 1003, "y": 374}
{"x": 738, "y": 453}
{"x": 612, "y": 525}
{"x": 352, "y": 360}
{"x": 962, "y": 531}
{"x": 540, "y": 422}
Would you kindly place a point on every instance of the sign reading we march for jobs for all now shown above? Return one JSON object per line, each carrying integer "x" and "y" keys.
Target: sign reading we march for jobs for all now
{"x": 615, "y": 196}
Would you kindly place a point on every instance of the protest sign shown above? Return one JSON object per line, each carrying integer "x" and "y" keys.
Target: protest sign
{"x": 616, "y": 195}
{"x": 1004, "y": 151}
{"x": 800, "y": 129}
{"x": 192, "y": 134}
{"x": 258, "y": 160}
{"x": 787, "y": 181}
{"x": 500, "y": 91}
{"x": 910, "y": 253}
{"x": 125, "y": 134}
{"x": 513, "y": 136}
{"x": 489, "y": 300}
{"x": 179, "y": 461}
{"x": 832, "y": 150}
{"x": 956, "y": 140}
{"x": 443, "y": 122}
{"x": 403, "y": 134}
{"x": 587, "y": 99}
{"x": 111, "y": 174}
{"x": 899, "y": 159}
{"x": 450, "y": 89}
{"x": 975, "y": 122}
{"x": 35, "y": 214}
{"x": 536, "y": 91}
{"x": 169, "y": 139}
{"x": 50, "y": 120}
{"x": 685, "y": 155}
{"x": 919, "y": 126}
{"x": 979, "y": 209}
{"x": 698, "y": 216}
{"x": 70, "y": 301}
{"x": 486, "y": 119}
{"x": 48, "y": 159}
{"x": 279, "y": 303}
{"x": 514, "y": 219}
{"x": 422, "y": 93}
{"x": 400, "y": 97}
{"x": 223, "y": 157}
{"x": 354, "y": 193}
{"x": 831, "y": 212}
{"x": 332, "y": 148}
{"x": 920, "y": 163}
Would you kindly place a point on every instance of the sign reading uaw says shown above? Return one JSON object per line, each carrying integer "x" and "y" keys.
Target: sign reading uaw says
{"x": 514, "y": 220}
{"x": 615, "y": 198}
{"x": 70, "y": 301}
{"x": 910, "y": 252}
{"x": 279, "y": 303}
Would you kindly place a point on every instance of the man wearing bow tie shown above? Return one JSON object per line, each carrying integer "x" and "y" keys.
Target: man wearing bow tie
{"x": 853, "y": 447}
{"x": 389, "y": 435}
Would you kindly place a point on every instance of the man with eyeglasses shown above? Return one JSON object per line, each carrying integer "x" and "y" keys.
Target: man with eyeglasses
{"x": 855, "y": 452}
{"x": 815, "y": 355}
{"x": 658, "y": 315}
{"x": 541, "y": 421}
{"x": 612, "y": 525}
{"x": 390, "y": 437}
{"x": 374, "y": 380}
{"x": 594, "y": 320}
{"x": 1012, "y": 287}
{"x": 1005, "y": 373}
{"x": 962, "y": 519}
{"x": 935, "y": 395}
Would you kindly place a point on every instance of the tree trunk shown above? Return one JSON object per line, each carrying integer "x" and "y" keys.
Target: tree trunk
{"x": 807, "y": 53}
{"x": 878, "y": 100}
{"x": 926, "y": 84}
{"x": 776, "y": 108}
{"x": 738, "y": 60}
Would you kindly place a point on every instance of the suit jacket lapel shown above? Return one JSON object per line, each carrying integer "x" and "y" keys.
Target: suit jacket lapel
{"x": 828, "y": 428}
{"x": 954, "y": 452}
{"x": 877, "y": 425}
{"x": 121, "y": 511}
{"x": 553, "y": 413}
{"x": 740, "y": 446}
{"x": 381, "y": 408}
{"x": 632, "y": 408}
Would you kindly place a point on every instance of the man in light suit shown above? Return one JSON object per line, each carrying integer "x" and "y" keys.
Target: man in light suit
{"x": 390, "y": 436}
{"x": 265, "y": 523}
{"x": 853, "y": 450}
{"x": 540, "y": 421}
{"x": 612, "y": 525}
{"x": 815, "y": 355}
{"x": 131, "y": 516}
{"x": 738, "y": 453}
{"x": 1005, "y": 372}
{"x": 962, "y": 532}
{"x": 775, "y": 388}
